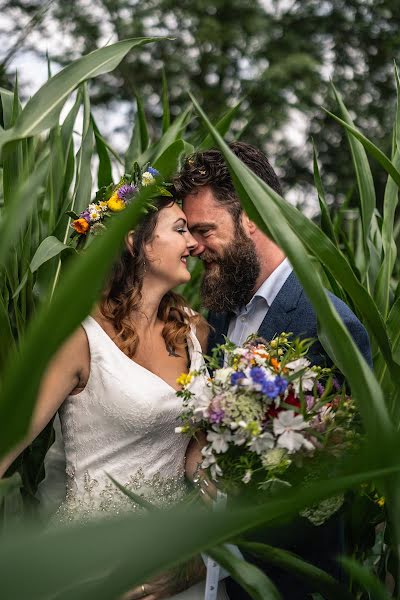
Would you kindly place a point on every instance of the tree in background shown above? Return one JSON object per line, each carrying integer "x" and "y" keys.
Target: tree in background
{"x": 278, "y": 56}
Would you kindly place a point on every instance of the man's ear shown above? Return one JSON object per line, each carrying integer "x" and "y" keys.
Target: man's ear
{"x": 249, "y": 226}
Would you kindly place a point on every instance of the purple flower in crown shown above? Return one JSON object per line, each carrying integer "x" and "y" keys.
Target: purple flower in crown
{"x": 126, "y": 192}
{"x": 85, "y": 215}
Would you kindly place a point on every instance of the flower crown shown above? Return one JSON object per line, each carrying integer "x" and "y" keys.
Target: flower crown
{"x": 113, "y": 199}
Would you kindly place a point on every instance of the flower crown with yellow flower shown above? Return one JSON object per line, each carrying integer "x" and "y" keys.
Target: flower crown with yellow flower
{"x": 112, "y": 199}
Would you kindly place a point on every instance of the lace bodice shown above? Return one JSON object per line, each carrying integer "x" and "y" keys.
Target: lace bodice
{"x": 122, "y": 424}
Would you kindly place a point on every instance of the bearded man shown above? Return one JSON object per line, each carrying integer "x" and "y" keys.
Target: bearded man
{"x": 250, "y": 287}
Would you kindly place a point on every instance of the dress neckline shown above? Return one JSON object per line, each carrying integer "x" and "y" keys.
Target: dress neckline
{"x": 138, "y": 364}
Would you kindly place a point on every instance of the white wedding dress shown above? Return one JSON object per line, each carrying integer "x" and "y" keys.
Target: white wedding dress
{"x": 123, "y": 424}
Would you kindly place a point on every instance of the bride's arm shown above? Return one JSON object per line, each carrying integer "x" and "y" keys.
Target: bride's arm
{"x": 65, "y": 372}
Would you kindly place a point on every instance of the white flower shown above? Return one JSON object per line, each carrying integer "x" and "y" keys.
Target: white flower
{"x": 215, "y": 471}
{"x": 147, "y": 178}
{"x": 286, "y": 426}
{"x": 247, "y": 476}
{"x": 209, "y": 457}
{"x": 200, "y": 404}
{"x": 223, "y": 375}
{"x": 178, "y": 429}
{"x": 298, "y": 365}
{"x": 95, "y": 215}
{"x": 263, "y": 442}
{"x": 219, "y": 440}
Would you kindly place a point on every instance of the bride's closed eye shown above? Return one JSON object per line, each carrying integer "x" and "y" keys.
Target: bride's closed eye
{"x": 182, "y": 230}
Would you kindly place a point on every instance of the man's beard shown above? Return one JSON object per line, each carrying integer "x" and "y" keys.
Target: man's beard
{"x": 230, "y": 282}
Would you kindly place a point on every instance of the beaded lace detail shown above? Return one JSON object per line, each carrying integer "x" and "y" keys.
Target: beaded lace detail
{"x": 100, "y": 498}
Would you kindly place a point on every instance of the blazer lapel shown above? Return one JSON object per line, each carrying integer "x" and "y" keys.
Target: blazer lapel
{"x": 219, "y": 327}
{"x": 281, "y": 312}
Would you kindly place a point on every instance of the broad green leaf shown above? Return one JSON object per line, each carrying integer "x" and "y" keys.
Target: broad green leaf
{"x": 43, "y": 109}
{"x": 167, "y": 163}
{"x": 7, "y": 103}
{"x": 261, "y": 204}
{"x": 48, "y": 249}
{"x": 122, "y": 553}
{"x": 172, "y": 134}
{"x": 143, "y": 131}
{"x": 366, "y": 579}
{"x": 322, "y": 581}
{"x": 7, "y": 338}
{"x": 250, "y": 577}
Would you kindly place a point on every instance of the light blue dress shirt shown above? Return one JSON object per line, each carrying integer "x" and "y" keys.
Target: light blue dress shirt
{"x": 247, "y": 319}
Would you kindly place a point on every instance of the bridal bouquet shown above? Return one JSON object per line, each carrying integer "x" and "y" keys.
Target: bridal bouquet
{"x": 271, "y": 419}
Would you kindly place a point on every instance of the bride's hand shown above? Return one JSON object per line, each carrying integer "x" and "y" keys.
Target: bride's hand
{"x": 194, "y": 472}
{"x": 170, "y": 583}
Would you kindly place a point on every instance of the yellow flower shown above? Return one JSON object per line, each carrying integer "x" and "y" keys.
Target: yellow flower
{"x": 115, "y": 204}
{"x": 381, "y": 501}
{"x": 184, "y": 379}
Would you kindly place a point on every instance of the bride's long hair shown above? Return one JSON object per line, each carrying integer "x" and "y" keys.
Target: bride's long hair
{"x": 122, "y": 294}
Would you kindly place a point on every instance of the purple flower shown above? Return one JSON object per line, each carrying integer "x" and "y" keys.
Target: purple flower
{"x": 257, "y": 374}
{"x": 336, "y": 385}
{"x": 281, "y": 384}
{"x": 309, "y": 401}
{"x": 320, "y": 389}
{"x": 153, "y": 171}
{"x": 126, "y": 191}
{"x": 236, "y": 377}
{"x": 216, "y": 416}
{"x": 270, "y": 389}
{"x": 85, "y": 215}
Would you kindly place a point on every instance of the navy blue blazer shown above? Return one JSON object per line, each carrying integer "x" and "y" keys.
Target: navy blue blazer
{"x": 291, "y": 311}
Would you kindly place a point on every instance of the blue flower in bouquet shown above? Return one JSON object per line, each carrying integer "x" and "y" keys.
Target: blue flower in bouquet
{"x": 237, "y": 377}
{"x": 270, "y": 389}
{"x": 281, "y": 384}
{"x": 257, "y": 374}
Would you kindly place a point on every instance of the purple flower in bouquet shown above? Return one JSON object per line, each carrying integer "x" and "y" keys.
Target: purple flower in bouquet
{"x": 320, "y": 389}
{"x": 216, "y": 416}
{"x": 281, "y": 384}
{"x": 236, "y": 377}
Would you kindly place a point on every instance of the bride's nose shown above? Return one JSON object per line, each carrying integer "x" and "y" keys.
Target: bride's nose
{"x": 191, "y": 243}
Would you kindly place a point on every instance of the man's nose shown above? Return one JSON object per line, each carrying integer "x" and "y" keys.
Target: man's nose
{"x": 197, "y": 249}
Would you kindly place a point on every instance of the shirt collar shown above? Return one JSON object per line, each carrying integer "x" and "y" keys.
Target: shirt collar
{"x": 270, "y": 288}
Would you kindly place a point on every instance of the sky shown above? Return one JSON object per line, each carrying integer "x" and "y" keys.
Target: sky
{"x": 113, "y": 120}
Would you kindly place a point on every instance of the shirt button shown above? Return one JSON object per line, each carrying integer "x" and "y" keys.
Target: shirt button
{"x": 243, "y": 319}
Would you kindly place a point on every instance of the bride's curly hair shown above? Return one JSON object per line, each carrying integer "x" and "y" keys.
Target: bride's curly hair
{"x": 122, "y": 294}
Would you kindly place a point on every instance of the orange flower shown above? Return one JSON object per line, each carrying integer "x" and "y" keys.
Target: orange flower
{"x": 80, "y": 225}
{"x": 275, "y": 364}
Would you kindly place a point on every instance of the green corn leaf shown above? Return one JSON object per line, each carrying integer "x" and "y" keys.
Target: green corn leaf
{"x": 222, "y": 126}
{"x": 48, "y": 249}
{"x": 104, "y": 173}
{"x": 43, "y": 109}
{"x": 166, "y": 118}
{"x": 252, "y": 579}
{"x": 21, "y": 208}
{"x": 334, "y": 334}
{"x": 366, "y": 579}
{"x": 322, "y": 581}
{"x": 73, "y": 300}
{"x": 365, "y": 182}
{"x": 326, "y": 222}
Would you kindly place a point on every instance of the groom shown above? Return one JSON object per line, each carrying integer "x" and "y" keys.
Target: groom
{"x": 249, "y": 287}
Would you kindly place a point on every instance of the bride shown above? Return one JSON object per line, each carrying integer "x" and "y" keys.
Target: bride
{"x": 114, "y": 380}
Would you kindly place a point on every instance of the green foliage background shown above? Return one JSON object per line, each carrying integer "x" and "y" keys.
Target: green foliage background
{"x": 42, "y": 300}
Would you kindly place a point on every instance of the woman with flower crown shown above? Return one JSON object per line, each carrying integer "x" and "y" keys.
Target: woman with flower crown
{"x": 114, "y": 381}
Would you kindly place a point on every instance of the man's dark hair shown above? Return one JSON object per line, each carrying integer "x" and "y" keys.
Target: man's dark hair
{"x": 210, "y": 169}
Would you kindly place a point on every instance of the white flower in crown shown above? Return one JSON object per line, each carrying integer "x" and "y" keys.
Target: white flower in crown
{"x": 95, "y": 215}
{"x": 287, "y": 426}
{"x": 219, "y": 440}
{"x": 148, "y": 177}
